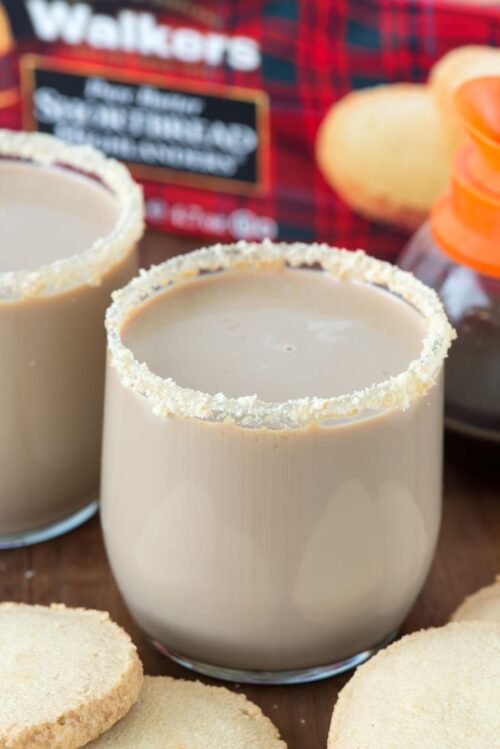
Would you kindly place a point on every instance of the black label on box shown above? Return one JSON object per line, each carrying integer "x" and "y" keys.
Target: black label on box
{"x": 186, "y": 131}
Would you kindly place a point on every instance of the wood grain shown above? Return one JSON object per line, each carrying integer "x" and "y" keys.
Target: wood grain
{"x": 74, "y": 570}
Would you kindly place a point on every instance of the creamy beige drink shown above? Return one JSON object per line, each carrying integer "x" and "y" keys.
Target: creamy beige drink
{"x": 69, "y": 223}
{"x": 49, "y": 213}
{"x": 272, "y": 472}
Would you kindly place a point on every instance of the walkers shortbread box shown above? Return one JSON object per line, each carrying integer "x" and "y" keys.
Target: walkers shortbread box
{"x": 215, "y": 106}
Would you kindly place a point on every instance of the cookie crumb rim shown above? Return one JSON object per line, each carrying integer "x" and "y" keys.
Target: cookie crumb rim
{"x": 166, "y": 397}
{"x": 89, "y": 266}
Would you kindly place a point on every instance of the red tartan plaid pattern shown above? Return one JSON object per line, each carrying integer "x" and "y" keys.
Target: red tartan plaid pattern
{"x": 313, "y": 52}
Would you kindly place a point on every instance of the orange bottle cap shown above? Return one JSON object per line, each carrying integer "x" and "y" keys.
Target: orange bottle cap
{"x": 465, "y": 220}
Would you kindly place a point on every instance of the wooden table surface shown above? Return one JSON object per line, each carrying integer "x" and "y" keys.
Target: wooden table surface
{"x": 73, "y": 569}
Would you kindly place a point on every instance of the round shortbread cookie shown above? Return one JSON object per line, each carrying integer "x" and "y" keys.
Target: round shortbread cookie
{"x": 386, "y": 152}
{"x": 435, "y": 689}
{"x": 453, "y": 69}
{"x": 67, "y": 676}
{"x": 175, "y": 714}
{"x": 484, "y": 605}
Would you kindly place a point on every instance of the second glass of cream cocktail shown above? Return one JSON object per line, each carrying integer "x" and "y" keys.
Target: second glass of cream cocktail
{"x": 70, "y": 220}
{"x": 272, "y": 455}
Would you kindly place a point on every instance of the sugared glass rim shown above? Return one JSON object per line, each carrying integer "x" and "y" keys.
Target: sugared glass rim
{"x": 87, "y": 267}
{"x": 166, "y": 397}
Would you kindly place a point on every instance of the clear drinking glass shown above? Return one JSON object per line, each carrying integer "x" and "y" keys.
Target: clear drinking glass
{"x": 70, "y": 221}
{"x": 282, "y": 541}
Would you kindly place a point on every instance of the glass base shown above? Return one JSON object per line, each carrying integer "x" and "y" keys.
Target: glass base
{"x": 28, "y": 538}
{"x": 296, "y": 676}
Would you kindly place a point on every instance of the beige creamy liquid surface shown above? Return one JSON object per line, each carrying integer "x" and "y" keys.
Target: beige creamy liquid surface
{"x": 49, "y": 214}
{"x": 260, "y": 549}
{"x": 52, "y": 347}
{"x": 277, "y": 335}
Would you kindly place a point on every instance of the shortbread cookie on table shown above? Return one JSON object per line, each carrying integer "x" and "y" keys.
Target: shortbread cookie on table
{"x": 435, "y": 689}
{"x": 175, "y": 714}
{"x": 386, "y": 152}
{"x": 67, "y": 675}
{"x": 484, "y": 605}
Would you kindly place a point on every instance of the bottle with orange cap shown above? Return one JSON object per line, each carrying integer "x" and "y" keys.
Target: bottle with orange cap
{"x": 457, "y": 252}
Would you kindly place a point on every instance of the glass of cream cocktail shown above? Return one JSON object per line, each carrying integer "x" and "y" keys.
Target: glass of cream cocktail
{"x": 272, "y": 455}
{"x": 70, "y": 220}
